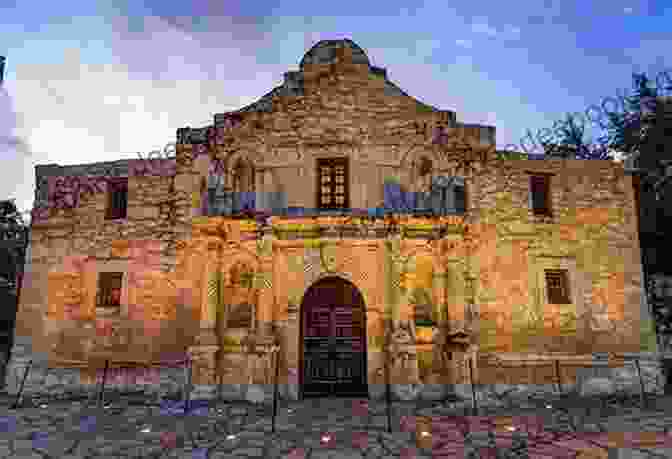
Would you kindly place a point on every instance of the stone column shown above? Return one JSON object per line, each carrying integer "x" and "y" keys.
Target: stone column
{"x": 265, "y": 301}
{"x": 260, "y": 186}
{"x": 207, "y": 334}
{"x": 203, "y": 379}
{"x": 439, "y": 292}
{"x": 289, "y": 382}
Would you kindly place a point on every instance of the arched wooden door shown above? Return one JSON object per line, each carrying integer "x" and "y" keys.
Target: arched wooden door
{"x": 333, "y": 340}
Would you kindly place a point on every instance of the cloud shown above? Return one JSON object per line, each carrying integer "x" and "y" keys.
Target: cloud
{"x": 464, "y": 43}
{"x": 513, "y": 31}
{"x": 162, "y": 77}
{"x": 628, "y": 10}
{"x": 425, "y": 48}
{"x": 483, "y": 28}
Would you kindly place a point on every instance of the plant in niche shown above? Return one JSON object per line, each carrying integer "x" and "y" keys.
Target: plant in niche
{"x": 422, "y": 307}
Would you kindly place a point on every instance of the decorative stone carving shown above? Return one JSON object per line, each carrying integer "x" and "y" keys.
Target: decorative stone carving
{"x": 261, "y": 348}
{"x": 203, "y": 364}
{"x": 242, "y": 296}
{"x": 402, "y": 352}
{"x": 329, "y": 257}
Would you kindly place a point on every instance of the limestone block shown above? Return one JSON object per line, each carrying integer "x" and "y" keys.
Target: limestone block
{"x": 255, "y": 394}
{"x": 406, "y": 392}
{"x": 203, "y": 392}
{"x": 433, "y": 391}
{"x": 598, "y": 386}
{"x": 288, "y": 391}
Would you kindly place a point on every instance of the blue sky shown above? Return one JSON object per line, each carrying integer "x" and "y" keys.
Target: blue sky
{"x": 100, "y": 80}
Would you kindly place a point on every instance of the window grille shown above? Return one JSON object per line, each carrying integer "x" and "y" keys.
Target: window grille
{"x": 333, "y": 183}
{"x": 107, "y": 284}
{"x": 557, "y": 286}
{"x": 540, "y": 194}
{"x": 117, "y": 199}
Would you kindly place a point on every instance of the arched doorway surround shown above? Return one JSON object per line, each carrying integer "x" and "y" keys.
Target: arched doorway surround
{"x": 332, "y": 343}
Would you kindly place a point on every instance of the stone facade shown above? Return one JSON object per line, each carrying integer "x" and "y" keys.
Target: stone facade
{"x": 228, "y": 291}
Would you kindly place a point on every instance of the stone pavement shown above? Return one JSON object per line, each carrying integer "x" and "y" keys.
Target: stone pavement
{"x": 323, "y": 428}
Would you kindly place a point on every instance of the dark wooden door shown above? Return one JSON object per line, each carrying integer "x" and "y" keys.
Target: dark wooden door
{"x": 334, "y": 341}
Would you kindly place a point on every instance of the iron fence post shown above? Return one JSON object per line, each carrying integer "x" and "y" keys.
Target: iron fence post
{"x": 275, "y": 388}
{"x": 387, "y": 392}
{"x": 102, "y": 385}
{"x": 473, "y": 387}
{"x": 187, "y": 384}
{"x": 641, "y": 383}
{"x": 23, "y": 382}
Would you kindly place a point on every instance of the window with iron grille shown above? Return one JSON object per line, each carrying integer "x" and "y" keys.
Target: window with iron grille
{"x": 240, "y": 316}
{"x": 557, "y": 286}
{"x": 109, "y": 290}
{"x": 332, "y": 183}
{"x": 540, "y": 194}
{"x": 448, "y": 196}
{"x": 117, "y": 199}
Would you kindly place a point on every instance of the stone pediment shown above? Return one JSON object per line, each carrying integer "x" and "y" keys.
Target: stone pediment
{"x": 326, "y": 53}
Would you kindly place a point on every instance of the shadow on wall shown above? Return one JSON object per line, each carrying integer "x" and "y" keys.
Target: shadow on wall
{"x": 8, "y": 308}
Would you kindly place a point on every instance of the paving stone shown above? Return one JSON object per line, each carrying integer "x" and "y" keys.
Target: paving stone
{"x": 255, "y": 439}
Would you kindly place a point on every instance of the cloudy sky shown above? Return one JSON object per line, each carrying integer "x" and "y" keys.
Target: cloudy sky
{"x": 97, "y": 80}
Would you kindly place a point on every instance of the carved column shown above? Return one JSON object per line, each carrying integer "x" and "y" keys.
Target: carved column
{"x": 260, "y": 187}
{"x": 439, "y": 293}
{"x": 207, "y": 334}
{"x": 265, "y": 300}
{"x": 203, "y": 365}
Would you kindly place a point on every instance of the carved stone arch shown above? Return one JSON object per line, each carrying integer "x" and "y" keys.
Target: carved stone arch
{"x": 350, "y": 276}
{"x": 249, "y": 160}
{"x": 415, "y": 152}
{"x": 242, "y": 297}
{"x": 241, "y": 256}
{"x": 411, "y": 163}
{"x": 332, "y": 338}
{"x": 247, "y": 154}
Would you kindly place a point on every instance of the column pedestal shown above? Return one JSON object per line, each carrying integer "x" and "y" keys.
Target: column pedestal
{"x": 203, "y": 371}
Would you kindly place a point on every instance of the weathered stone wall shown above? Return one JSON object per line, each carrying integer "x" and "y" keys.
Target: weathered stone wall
{"x": 592, "y": 234}
{"x": 177, "y": 286}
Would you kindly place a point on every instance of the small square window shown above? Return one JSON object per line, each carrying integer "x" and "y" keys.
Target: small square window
{"x": 557, "y": 286}
{"x": 540, "y": 194}
{"x": 333, "y": 185}
{"x": 109, "y": 290}
{"x": 117, "y": 201}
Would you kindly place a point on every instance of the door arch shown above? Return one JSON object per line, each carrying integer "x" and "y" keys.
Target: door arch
{"x": 333, "y": 340}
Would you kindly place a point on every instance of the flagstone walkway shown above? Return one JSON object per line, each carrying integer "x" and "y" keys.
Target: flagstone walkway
{"x": 324, "y": 428}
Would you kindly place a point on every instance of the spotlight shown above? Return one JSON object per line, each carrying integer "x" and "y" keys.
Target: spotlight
{"x": 146, "y": 430}
{"x": 230, "y": 437}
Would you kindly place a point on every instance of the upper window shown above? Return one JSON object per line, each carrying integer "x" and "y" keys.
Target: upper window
{"x": 117, "y": 201}
{"x": 332, "y": 186}
{"x": 109, "y": 290}
{"x": 540, "y": 197}
{"x": 244, "y": 196}
{"x": 448, "y": 195}
{"x": 557, "y": 286}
